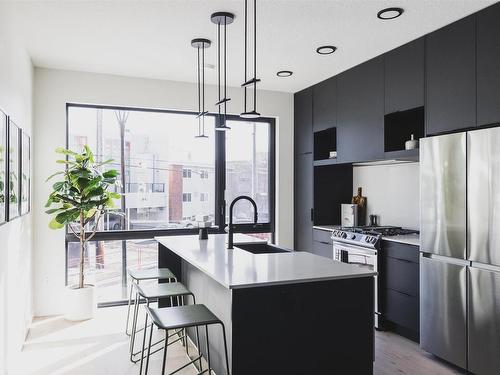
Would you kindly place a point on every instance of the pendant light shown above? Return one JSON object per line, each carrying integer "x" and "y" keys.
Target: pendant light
{"x": 254, "y": 80}
{"x": 222, "y": 19}
{"x": 201, "y": 44}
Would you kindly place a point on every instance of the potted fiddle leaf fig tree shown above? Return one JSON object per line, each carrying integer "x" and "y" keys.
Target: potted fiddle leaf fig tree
{"x": 79, "y": 200}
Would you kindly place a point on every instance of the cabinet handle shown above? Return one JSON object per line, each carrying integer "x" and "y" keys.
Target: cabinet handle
{"x": 402, "y": 260}
{"x": 400, "y": 292}
{"x": 325, "y": 243}
{"x": 312, "y": 214}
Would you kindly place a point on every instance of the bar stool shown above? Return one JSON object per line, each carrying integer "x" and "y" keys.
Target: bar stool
{"x": 142, "y": 275}
{"x": 151, "y": 293}
{"x": 182, "y": 317}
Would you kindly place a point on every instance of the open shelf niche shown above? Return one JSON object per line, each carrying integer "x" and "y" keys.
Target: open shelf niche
{"x": 325, "y": 142}
{"x": 399, "y": 126}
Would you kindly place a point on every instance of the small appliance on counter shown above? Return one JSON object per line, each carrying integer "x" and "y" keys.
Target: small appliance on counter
{"x": 349, "y": 215}
{"x": 412, "y": 143}
{"x": 373, "y": 220}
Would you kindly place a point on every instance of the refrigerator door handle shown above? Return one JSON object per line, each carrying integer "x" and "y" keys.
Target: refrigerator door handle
{"x": 487, "y": 267}
{"x": 444, "y": 259}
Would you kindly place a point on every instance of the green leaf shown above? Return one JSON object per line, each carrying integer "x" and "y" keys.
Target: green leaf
{"x": 110, "y": 174}
{"x": 115, "y": 195}
{"x": 90, "y": 212}
{"x": 55, "y": 225}
{"x": 54, "y": 210}
{"x": 105, "y": 162}
{"x": 64, "y": 151}
{"x": 58, "y": 186}
{"x": 110, "y": 203}
{"x": 68, "y": 216}
{"x": 95, "y": 192}
{"x": 53, "y": 175}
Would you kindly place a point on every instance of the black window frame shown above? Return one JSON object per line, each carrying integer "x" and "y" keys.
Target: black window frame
{"x": 220, "y": 181}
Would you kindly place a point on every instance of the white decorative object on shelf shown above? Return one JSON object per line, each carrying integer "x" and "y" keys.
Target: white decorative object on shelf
{"x": 411, "y": 144}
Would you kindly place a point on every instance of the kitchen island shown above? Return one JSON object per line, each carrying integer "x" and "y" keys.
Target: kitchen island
{"x": 284, "y": 311}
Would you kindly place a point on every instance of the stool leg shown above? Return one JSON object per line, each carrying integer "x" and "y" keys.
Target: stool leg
{"x": 225, "y": 347}
{"x": 199, "y": 348}
{"x": 134, "y": 326}
{"x": 144, "y": 338}
{"x": 128, "y": 309}
{"x": 197, "y": 336}
{"x": 208, "y": 351}
{"x": 164, "y": 366}
{"x": 186, "y": 344}
{"x": 149, "y": 348}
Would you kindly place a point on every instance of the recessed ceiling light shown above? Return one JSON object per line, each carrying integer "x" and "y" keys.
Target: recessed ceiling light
{"x": 326, "y": 50}
{"x": 390, "y": 13}
{"x": 284, "y": 73}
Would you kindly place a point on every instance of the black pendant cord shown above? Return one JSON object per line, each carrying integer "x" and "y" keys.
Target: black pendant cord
{"x": 255, "y": 55}
{"x": 225, "y": 69}
{"x": 246, "y": 48}
{"x": 201, "y": 44}
{"x": 218, "y": 59}
{"x": 222, "y": 19}
{"x": 203, "y": 88}
{"x": 199, "y": 92}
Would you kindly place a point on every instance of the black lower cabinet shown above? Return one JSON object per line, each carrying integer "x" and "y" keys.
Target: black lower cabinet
{"x": 399, "y": 288}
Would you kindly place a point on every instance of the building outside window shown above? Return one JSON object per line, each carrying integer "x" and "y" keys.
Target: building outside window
{"x": 186, "y": 197}
{"x": 186, "y": 173}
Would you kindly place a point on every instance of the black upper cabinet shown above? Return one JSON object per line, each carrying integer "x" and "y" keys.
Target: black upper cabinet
{"x": 451, "y": 77}
{"x": 360, "y": 112}
{"x": 488, "y": 66}
{"x": 404, "y": 77}
{"x": 325, "y": 104}
{"x": 303, "y": 193}
{"x": 303, "y": 133}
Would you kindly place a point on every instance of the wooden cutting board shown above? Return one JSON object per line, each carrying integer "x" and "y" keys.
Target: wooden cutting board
{"x": 361, "y": 202}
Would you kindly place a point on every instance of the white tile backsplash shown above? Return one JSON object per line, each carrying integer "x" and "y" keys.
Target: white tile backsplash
{"x": 392, "y": 192}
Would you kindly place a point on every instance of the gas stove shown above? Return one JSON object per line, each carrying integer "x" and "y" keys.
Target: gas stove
{"x": 382, "y": 230}
{"x": 367, "y": 236}
{"x": 356, "y": 238}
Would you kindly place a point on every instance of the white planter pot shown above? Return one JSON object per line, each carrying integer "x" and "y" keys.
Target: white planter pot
{"x": 80, "y": 303}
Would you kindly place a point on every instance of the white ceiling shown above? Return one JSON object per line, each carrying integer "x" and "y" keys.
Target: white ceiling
{"x": 152, "y": 38}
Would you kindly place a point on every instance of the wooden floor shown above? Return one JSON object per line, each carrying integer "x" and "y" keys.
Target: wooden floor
{"x": 100, "y": 347}
{"x": 397, "y": 355}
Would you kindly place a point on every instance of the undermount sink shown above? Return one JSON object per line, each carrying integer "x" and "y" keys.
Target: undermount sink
{"x": 261, "y": 248}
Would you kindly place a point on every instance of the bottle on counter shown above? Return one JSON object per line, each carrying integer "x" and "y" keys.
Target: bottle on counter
{"x": 361, "y": 202}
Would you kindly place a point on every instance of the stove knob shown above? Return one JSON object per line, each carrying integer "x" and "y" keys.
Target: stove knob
{"x": 353, "y": 236}
{"x": 374, "y": 240}
{"x": 368, "y": 239}
{"x": 344, "y": 235}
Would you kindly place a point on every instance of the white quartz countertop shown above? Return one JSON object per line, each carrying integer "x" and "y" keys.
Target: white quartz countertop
{"x": 409, "y": 239}
{"x": 238, "y": 268}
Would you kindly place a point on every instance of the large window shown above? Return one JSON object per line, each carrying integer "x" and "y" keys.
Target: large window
{"x": 168, "y": 179}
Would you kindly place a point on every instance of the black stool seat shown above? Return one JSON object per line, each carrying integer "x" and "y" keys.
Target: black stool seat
{"x": 163, "y": 290}
{"x": 151, "y": 274}
{"x": 168, "y": 318}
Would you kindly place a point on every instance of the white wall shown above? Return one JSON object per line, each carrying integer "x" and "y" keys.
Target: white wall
{"x": 54, "y": 88}
{"x": 392, "y": 191}
{"x": 16, "y": 73}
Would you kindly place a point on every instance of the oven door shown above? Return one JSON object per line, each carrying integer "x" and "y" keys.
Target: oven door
{"x": 355, "y": 255}
{"x": 362, "y": 257}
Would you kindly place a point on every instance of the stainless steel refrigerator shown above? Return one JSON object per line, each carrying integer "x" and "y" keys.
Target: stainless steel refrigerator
{"x": 460, "y": 249}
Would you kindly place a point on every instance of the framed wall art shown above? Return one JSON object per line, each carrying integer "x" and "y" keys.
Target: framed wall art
{"x": 25, "y": 173}
{"x": 3, "y": 167}
{"x": 13, "y": 171}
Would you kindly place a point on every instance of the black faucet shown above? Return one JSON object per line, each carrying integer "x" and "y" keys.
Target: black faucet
{"x": 233, "y": 228}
